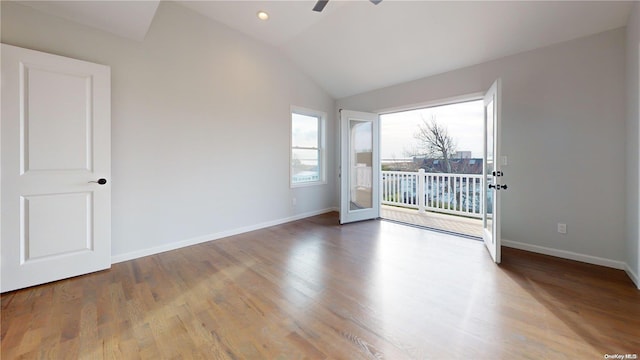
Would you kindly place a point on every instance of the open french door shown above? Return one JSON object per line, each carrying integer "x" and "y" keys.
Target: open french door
{"x": 360, "y": 166}
{"x": 491, "y": 172}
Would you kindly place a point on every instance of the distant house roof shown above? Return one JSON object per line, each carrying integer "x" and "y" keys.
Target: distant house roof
{"x": 458, "y": 166}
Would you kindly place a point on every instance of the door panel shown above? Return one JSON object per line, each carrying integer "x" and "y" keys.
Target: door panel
{"x": 491, "y": 193}
{"x": 56, "y": 124}
{"x": 360, "y": 168}
{"x": 55, "y": 141}
{"x": 55, "y": 225}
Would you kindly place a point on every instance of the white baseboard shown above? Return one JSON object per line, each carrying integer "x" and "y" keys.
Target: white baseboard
{"x": 204, "y": 238}
{"x": 634, "y": 277}
{"x": 566, "y": 254}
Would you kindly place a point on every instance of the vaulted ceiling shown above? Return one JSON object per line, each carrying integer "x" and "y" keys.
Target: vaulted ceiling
{"x": 354, "y": 46}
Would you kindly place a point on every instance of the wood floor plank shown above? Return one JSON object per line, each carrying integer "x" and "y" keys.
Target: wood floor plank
{"x": 312, "y": 289}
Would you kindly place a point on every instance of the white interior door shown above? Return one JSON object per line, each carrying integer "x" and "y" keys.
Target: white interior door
{"x": 492, "y": 172}
{"x": 359, "y": 166}
{"x": 55, "y": 183}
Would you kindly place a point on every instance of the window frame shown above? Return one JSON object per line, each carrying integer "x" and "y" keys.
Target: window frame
{"x": 322, "y": 119}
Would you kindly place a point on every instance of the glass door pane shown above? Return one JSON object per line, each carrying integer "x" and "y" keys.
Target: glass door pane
{"x": 489, "y": 164}
{"x": 361, "y": 165}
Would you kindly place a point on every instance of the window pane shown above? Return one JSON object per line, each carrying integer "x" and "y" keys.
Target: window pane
{"x": 305, "y": 165}
{"x": 304, "y": 131}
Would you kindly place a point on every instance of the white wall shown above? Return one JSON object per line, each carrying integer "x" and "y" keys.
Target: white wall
{"x": 563, "y": 132}
{"x": 200, "y": 124}
{"x": 633, "y": 134}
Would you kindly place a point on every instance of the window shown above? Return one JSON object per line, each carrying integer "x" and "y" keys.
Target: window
{"x": 307, "y": 147}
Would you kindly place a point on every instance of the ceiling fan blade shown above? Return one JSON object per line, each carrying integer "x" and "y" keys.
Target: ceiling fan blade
{"x": 376, "y": 2}
{"x": 321, "y": 4}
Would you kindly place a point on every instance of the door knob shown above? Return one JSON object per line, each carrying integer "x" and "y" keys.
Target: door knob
{"x": 100, "y": 181}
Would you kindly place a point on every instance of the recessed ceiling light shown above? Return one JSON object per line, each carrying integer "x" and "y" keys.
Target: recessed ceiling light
{"x": 262, "y": 15}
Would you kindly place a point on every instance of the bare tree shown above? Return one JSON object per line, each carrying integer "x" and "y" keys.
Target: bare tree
{"x": 435, "y": 142}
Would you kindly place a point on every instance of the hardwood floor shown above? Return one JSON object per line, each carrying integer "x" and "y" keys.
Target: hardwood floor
{"x": 316, "y": 290}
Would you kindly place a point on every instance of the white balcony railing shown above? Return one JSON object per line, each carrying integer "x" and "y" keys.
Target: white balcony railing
{"x": 458, "y": 194}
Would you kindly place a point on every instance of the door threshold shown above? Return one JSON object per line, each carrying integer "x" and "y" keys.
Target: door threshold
{"x": 467, "y": 236}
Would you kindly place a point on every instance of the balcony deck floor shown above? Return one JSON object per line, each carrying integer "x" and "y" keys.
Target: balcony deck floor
{"x": 451, "y": 223}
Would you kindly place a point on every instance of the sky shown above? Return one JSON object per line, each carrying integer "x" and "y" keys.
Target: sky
{"x": 304, "y": 130}
{"x": 462, "y": 120}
